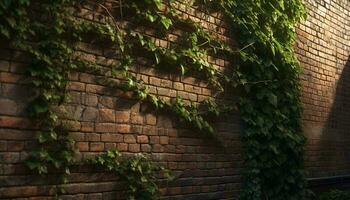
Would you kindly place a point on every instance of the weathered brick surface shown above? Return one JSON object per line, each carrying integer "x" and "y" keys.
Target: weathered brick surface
{"x": 323, "y": 49}
{"x": 103, "y": 119}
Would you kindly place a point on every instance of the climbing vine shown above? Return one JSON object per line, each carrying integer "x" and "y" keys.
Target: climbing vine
{"x": 138, "y": 171}
{"x": 270, "y": 108}
{"x": 267, "y": 77}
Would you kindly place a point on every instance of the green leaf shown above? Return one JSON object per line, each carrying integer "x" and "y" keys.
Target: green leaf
{"x": 166, "y": 22}
{"x": 272, "y": 98}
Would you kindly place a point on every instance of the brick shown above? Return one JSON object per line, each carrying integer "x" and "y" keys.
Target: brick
{"x": 82, "y": 146}
{"x": 134, "y": 148}
{"x": 18, "y": 191}
{"x": 142, "y": 139}
{"x": 136, "y": 118}
{"x": 106, "y": 115}
{"x": 146, "y": 148}
{"x": 76, "y": 86}
{"x": 4, "y": 66}
{"x": 122, "y": 128}
{"x": 90, "y": 114}
{"x": 154, "y": 139}
{"x": 92, "y": 137}
{"x": 86, "y": 78}
{"x": 163, "y": 91}
{"x": 15, "y": 146}
{"x": 75, "y": 97}
{"x": 90, "y": 100}
{"x": 19, "y": 68}
{"x": 154, "y": 81}
{"x": 129, "y": 139}
{"x": 108, "y": 137}
{"x": 165, "y": 83}
{"x": 122, "y": 147}
{"x": 110, "y": 146}
{"x": 96, "y": 146}
{"x": 122, "y": 116}
{"x": 3, "y": 146}
{"x": 15, "y": 122}
{"x": 96, "y": 89}
{"x": 9, "y": 157}
{"x": 164, "y": 140}
{"x": 105, "y": 128}
{"x": 8, "y": 107}
{"x": 178, "y": 86}
{"x": 10, "y": 77}
{"x": 151, "y": 119}
{"x": 87, "y": 126}
{"x": 107, "y": 102}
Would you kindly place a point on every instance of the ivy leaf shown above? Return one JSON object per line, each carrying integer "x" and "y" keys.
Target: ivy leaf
{"x": 166, "y": 22}
{"x": 272, "y": 98}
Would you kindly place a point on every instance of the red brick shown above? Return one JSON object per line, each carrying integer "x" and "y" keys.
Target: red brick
{"x": 96, "y": 146}
{"x": 106, "y": 115}
{"x": 178, "y": 86}
{"x": 3, "y": 146}
{"x": 122, "y": 128}
{"x": 154, "y": 81}
{"x": 105, "y": 128}
{"x": 76, "y": 86}
{"x": 164, "y": 140}
{"x": 97, "y": 89}
{"x": 82, "y": 146}
{"x": 136, "y": 118}
{"x": 86, "y": 78}
{"x": 154, "y": 139}
{"x": 108, "y": 137}
{"x": 122, "y": 147}
{"x": 92, "y": 137}
{"x": 151, "y": 119}
{"x": 10, "y": 77}
{"x": 122, "y": 116}
{"x": 157, "y": 148}
{"x": 90, "y": 114}
{"x": 15, "y": 146}
{"x": 8, "y": 107}
{"x": 146, "y": 148}
{"x": 129, "y": 139}
{"x": 15, "y": 122}
{"x": 4, "y": 66}
{"x": 134, "y": 148}
{"x": 142, "y": 139}
{"x": 110, "y": 146}
{"x": 87, "y": 126}
{"x": 90, "y": 100}
{"x": 18, "y": 191}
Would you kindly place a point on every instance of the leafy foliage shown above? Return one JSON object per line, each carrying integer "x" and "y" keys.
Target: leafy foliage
{"x": 335, "y": 195}
{"x": 267, "y": 77}
{"x": 138, "y": 171}
{"x": 270, "y": 107}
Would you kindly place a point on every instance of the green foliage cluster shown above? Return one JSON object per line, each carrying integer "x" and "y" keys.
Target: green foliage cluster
{"x": 138, "y": 171}
{"x": 335, "y": 195}
{"x": 267, "y": 77}
{"x": 270, "y": 106}
{"x": 49, "y": 40}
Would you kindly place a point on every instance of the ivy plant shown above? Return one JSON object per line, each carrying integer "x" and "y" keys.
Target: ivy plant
{"x": 138, "y": 171}
{"x": 267, "y": 78}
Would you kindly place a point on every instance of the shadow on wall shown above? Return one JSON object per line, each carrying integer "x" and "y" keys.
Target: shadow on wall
{"x": 331, "y": 152}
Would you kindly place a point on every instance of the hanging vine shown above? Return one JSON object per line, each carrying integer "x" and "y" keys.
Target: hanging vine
{"x": 267, "y": 77}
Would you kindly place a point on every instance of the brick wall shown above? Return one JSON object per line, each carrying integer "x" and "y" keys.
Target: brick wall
{"x": 323, "y": 50}
{"x": 101, "y": 119}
